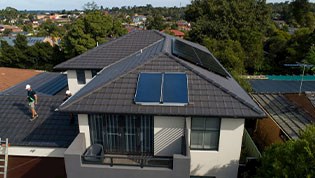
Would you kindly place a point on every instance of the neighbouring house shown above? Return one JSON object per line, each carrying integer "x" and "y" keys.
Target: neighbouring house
{"x": 178, "y": 33}
{"x": 152, "y": 105}
{"x": 138, "y": 19}
{"x": 12, "y": 76}
{"x": 30, "y": 40}
{"x": 288, "y": 111}
{"x": 183, "y": 25}
{"x": 36, "y": 148}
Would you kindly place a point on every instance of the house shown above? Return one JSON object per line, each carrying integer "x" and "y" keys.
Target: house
{"x": 154, "y": 106}
{"x": 36, "y": 148}
{"x": 30, "y": 40}
{"x": 288, "y": 111}
{"x": 183, "y": 25}
{"x": 12, "y": 76}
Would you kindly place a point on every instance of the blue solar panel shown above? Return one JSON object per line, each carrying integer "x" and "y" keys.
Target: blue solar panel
{"x": 198, "y": 57}
{"x": 149, "y": 88}
{"x": 53, "y": 86}
{"x": 160, "y": 88}
{"x": 175, "y": 88}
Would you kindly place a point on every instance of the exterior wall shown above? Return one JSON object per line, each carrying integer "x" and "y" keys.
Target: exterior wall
{"x": 72, "y": 80}
{"x": 168, "y": 133}
{"x": 35, "y": 167}
{"x": 267, "y": 132}
{"x": 84, "y": 128}
{"x": 75, "y": 168}
{"x": 224, "y": 162}
{"x": 36, "y": 151}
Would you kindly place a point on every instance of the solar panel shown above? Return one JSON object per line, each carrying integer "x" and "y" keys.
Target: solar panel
{"x": 149, "y": 88}
{"x": 198, "y": 57}
{"x": 54, "y": 86}
{"x": 175, "y": 88}
{"x": 162, "y": 89}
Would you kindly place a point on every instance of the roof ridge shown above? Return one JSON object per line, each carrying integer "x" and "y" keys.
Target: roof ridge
{"x": 214, "y": 83}
{"x": 100, "y": 46}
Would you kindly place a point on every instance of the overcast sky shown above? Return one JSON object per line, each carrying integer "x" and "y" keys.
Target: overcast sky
{"x": 78, "y": 4}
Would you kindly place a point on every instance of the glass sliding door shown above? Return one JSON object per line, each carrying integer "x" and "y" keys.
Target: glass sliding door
{"x": 122, "y": 134}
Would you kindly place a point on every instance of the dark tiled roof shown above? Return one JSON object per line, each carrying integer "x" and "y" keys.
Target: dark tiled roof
{"x": 290, "y": 118}
{"x": 281, "y": 86}
{"x": 207, "y": 98}
{"x": 108, "y": 53}
{"x": 51, "y": 129}
{"x": 116, "y": 70}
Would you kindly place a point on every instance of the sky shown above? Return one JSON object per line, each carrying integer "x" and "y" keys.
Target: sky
{"x": 78, "y": 4}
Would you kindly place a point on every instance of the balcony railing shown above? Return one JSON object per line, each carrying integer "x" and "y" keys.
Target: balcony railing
{"x": 129, "y": 160}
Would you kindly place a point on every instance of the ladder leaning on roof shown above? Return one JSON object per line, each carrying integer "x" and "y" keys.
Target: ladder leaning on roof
{"x": 4, "y": 146}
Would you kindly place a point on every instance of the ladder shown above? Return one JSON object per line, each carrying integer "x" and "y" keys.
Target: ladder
{"x": 4, "y": 146}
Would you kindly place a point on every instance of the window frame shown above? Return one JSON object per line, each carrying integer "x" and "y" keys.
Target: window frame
{"x": 218, "y": 131}
{"x": 80, "y": 76}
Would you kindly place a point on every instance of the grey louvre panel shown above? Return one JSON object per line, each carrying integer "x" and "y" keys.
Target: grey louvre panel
{"x": 198, "y": 57}
{"x": 281, "y": 86}
{"x": 54, "y": 86}
{"x": 149, "y": 88}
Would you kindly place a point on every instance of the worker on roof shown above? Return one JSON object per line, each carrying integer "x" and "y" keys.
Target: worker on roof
{"x": 32, "y": 101}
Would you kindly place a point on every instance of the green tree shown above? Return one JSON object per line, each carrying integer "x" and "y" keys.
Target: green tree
{"x": 294, "y": 158}
{"x": 156, "y": 22}
{"x": 8, "y": 57}
{"x": 89, "y": 30}
{"x": 243, "y": 21}
{"x": 300, "y": 10}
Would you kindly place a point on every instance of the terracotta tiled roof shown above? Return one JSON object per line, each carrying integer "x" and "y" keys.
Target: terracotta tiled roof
{"x": 178, "y": 33}
{"x": 12, "y": 76}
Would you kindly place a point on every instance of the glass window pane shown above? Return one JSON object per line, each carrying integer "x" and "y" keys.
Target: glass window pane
{"x": 198, "y": 124}
{"x": 212, "y": 124}
{"x": 196, "y": 139}
{"x": 211, "y": 140}
{"x": 80, "y": 76}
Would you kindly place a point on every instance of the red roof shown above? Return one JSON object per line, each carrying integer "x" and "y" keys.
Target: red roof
{"x": 12, "y": 76}
{"x": 177, "y": 33}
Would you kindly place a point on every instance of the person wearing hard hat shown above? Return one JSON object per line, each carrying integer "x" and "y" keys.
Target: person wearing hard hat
{"x": 32, "y": 100}
{"x": 68, "y": 95}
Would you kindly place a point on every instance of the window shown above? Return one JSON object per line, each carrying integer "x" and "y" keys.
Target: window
{"x": 80, "y": 76}
{"x": 94, "y": 72}
{"x": 205, "y": 133}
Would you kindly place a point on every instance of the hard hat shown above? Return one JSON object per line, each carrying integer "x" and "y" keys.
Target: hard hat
{"x": 68, "y": 92}
{"x": 28, "y": 87}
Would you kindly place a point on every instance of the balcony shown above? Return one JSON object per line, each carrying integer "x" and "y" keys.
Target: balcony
{"x": 121, "y": 166}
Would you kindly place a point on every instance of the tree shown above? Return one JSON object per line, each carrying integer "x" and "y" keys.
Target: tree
{"x": 89, "y": 30}
{"x": 294, "y": 158}
{"x": 156, "y": 22}
{"x": 300, "y": 10}
{"x": 243, "y": 21}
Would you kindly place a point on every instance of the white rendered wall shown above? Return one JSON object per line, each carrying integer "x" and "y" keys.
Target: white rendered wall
{"x": 224, "y": 162}
{"x": 72, "y": 80}
{"x": 84, "y": 128}
{"x": 168, "y": 132}
{"x": 36, "y": 151}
